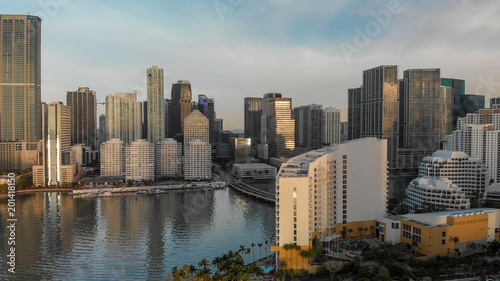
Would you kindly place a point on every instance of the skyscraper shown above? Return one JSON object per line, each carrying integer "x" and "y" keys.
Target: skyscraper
{"x": 196, "y": 127}
{"x": 446, "y": 112}
{"x": 84, "y": 113}
{"x": 420, "y": 119}
{"x": 20, "y": 115}
{"x": 331, "y": 126}
{"x": 156, "y": 95}
{"x": 180, "y": 106}
{"x": 206, "y": 106}
{"x": 379, "y": 98}
{"x": 277, "y": 126}
{"x": 458, "y": 90}
{"x": 308, "y": 126}
{"x": 123, "y": 117}
{"x": 354, "y": 113}
{"x": 252, "y": 113}
{"x": 58, "y": 140}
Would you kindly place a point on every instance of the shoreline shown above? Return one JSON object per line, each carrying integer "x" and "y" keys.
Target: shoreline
{"x": 28, "y": 191}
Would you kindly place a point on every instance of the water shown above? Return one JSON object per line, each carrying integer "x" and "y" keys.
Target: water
{"x": 129, "y": 237}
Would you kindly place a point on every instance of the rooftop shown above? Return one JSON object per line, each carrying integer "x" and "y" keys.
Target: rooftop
{"x": 254, "y": 166}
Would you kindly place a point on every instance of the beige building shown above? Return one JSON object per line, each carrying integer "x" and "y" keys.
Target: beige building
{"x": 123, "y": 117}
{"x": 196, "y": 127}
{"x": 197, "y": 160}
{"x": 169, "y": 158}
{"x": 113, "y": 158}
{"x": 330, "y": 193}
{"x": 140, "y": 161}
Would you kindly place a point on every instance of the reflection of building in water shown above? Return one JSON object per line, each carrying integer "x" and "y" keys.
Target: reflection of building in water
{"x": 193, "y": 211}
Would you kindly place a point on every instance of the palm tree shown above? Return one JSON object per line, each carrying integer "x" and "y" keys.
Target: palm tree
{"x": 253, "y": 245}
{"x": 204, "y": 263}
{"x": 242, "y": 250}
{"x": 266, "y": 247}
{"x": 455, "y": 241}
{"x": 248, "y": 252}
{"x": 260, "y": 250}
{"x": 365, "y": 230}
{"x": 350, "y": 231}
{"x": 360, "y": 230}
{"x": 283, "y": 266}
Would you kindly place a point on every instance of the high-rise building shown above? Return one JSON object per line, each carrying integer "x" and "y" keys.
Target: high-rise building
{"x": 112, "y": 158}
{"x": 435, "y": 193}
{"x": 311, "y": 203}
{"x": 495, "y": 102}
{"x": 206, "y": 106}
{"x": 252, "y": 113}
{"x": 140, "y": 160}
{"x": 102, "y": 128}
{"x": 419, "y": 120}
{"x": 240, "y": 149}
{"x": 308, "y": 126}
{"x": 354, "y": 111}
{"x": 196, "y": 127}
{"x": 446, "y": 112}
{"x": 20, "y": 111}
{"x": 156, "y": 96}
{"x": 123, "y": 117}
{"x": 331, "y": 126}
{"x": 83, "y": 105}
{"x": 469, "y": 173}
{"x": 218, "y": 128}
{"x": 197, "y": 160}
{"x": 169, "y": 158}
{"x": 379, "y": 109}
{"x": 458, "y": 90}
{"x": 180, "y": 106}
{"x": 167, "y": 104}
{"x": 478, "y": 135}
{"x": 472, "y": 103}
{"x": 277, "y": 127}
{"x": 58, "y": 140}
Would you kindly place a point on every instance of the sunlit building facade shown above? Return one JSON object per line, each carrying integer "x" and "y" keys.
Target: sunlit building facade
{"x": 197, "y": 160}
{"x": 155, "y": 106}
{"x": 331, "y": 126}
{"x": 112, "y": 158}
{"x": 169, "y": 158}
{"x": 252, "y": 113}
{"x": 84, "y": 114}
{"x": 140, "y": 161}
{"x": 123, "y": 117}
{"x": 58, "y": 141}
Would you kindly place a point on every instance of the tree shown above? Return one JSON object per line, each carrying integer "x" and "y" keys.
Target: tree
{"x": 455, "y": 240}
{"x": 333, "y": 267}
{"x": 283, "y": 266}
{"x": 253, "y": 245}
{"x": 360, "y": 230}
{"x": 260, "y": 250}
{"x": 266, "y": 247}
{"x": 350, "y": 231}
{"x": 365, "y": 229}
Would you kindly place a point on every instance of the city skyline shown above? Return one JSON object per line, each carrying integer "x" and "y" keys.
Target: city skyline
{"x": 299, "y": 54}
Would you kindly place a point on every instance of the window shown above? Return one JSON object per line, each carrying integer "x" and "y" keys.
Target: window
{"x": 443, "y": 234}
{"x": 395, "y": 225}
{"x": 443, "y": 242}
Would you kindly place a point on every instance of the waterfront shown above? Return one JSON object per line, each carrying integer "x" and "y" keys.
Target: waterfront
{"x": 130, "y": 236}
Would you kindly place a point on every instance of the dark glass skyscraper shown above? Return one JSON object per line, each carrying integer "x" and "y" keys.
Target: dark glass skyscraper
{"x": 252, "y": 113}
{"x": 180, "y": 106}
{"x": 458, "y": 90}
{"x": 308, "y": 125}
{"x": 420, "y": 119}
{"x": 379, "y": 98}
{"x": 20, "y": 79}
{"x": 83, "y": 105}
{"x": 206, "y": 106}
{"x": 354, "y": 113}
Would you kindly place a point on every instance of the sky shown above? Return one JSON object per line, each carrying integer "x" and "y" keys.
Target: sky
{"x": 311, "y": 51}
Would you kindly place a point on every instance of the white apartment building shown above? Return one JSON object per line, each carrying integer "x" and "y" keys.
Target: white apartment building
{"x": 169, "y": 158}
{"x": 468, "y": 173}
{"x": 197, "y": 160}
{"x": 254, "y": 172}
{"x": 478, "y": 135}
{"x": 112, "y": 158}
{"x": 439, "y": 193}
{"x": 140, "y": 161}
{"x": 331, "y": 125}
{"x": 331, "y": 192}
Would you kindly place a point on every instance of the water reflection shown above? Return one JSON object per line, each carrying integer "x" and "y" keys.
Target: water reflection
{"x": 128, "y": 236}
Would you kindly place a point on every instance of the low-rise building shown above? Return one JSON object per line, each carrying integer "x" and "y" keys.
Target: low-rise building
{"x": 445, "y": 233}
{"x": 254, "y": 172}
{"x": 435, "y": 193}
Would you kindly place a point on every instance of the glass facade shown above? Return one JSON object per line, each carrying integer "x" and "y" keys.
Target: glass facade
{"x": 354, "y": 113}
{"x": 308, "y": 126}
{"x": 180, "y": 106}
{"x": 20, "y": 112}
{"x": 252, "y": 114}
{"x": 206, "y": 106}
{"x": 379, "y": 98}
{"x": 281, "y": 129}
{"x": 84, "y": 113}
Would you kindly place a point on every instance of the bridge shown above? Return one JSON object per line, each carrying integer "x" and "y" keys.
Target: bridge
{"x": 252, "y": 191}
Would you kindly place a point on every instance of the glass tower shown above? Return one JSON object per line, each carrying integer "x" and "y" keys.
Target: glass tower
{"x": 180, "y": 106}
{"x": 83, "y": 109}
{"x": 354, "y": 113}
{"x": 20, "y": 110}
{"x": 252, "y": 112}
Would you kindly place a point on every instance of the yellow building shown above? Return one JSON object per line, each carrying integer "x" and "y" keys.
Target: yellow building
{"x": 446, "y": 233}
